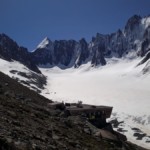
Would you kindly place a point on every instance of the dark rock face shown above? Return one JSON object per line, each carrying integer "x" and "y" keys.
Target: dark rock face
{"x": 146, "y": 69}
{"x": 145, "y": 59}
{"x": 54, "y": 53}
{"x": 42, "y": 56}
{"x": 9, "y": 50}
{"x": 83, "y": 52}
{"x": 134, "y": 37}
{"x": 132, "y": 22}
{"x": 63, "y": 51}
{"x": 98, "y": 57}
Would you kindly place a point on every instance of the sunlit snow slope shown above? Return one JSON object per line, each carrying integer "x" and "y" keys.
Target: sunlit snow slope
{"x": 119, "y": 84}
{"x": 22, "y": 74}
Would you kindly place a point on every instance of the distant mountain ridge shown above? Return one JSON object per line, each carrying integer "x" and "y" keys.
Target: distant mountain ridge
{"x": 134, "y": 37}
{"x": 70, "y": 53}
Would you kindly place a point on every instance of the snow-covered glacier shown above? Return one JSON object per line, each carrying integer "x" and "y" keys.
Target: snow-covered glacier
{"x": 121, "y": 84}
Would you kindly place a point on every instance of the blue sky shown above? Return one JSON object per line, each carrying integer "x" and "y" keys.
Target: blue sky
{"x": 29, "y": 21}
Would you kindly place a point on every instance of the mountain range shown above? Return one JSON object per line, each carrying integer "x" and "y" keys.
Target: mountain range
{"x": 70, "y": 53}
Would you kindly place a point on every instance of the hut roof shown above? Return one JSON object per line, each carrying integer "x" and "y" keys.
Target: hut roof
{"x": 74, "y": 110}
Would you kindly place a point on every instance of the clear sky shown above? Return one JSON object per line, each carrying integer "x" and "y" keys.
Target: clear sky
{"x": 29, "y": 21}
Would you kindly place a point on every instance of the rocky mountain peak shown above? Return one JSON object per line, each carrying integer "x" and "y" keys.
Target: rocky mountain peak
{"x": 46, "y": 43}
{"x": 132, "y": 22}
{"x": 83, "y": 41}
{"x": 119, "y": 32}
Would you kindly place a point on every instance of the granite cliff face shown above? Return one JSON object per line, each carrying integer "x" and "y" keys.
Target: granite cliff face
{"x": 134, "y": 37}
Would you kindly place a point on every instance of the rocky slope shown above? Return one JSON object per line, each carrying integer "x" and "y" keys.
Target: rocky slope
{"x": 26, "y": 123}
{"x": 22, "y": 74}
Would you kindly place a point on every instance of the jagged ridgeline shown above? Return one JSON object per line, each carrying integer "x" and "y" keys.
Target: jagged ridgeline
{"x": 70, "y": 53}
{"x": 134, "y": 37}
